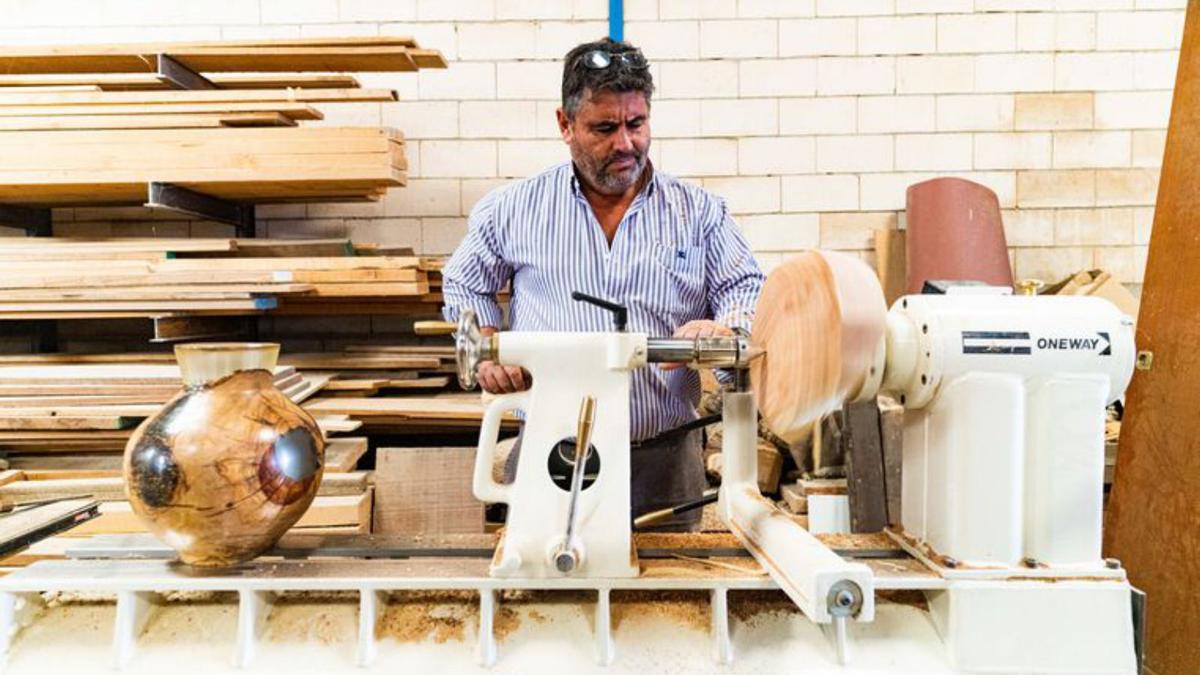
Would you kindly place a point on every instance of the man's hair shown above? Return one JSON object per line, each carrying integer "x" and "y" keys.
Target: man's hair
{"x": 617, "y": 77}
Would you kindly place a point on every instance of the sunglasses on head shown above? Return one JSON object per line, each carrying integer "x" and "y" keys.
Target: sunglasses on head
{"x": 599, "y": 59}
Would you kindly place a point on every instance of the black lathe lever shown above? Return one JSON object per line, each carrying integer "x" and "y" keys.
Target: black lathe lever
{"x": 620, "y": 312}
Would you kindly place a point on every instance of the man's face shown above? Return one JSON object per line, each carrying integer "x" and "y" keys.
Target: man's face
{"x": 609, "y": 138}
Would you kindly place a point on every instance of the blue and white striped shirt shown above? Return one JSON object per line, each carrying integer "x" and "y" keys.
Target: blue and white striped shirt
{"x": 677, "y": 256}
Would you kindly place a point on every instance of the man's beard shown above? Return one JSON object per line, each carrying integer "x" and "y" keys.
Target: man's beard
{"x": 606, "y": 182}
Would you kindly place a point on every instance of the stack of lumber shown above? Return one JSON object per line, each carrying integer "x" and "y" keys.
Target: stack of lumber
{"x": 102, "y": 396}
{"x": 114, "y": 166}
{"x": 51, "y": 404}
{"x": 343, "y": 504}
{"x": 94, "y": 124}
{"x": 47, "y": 278}
{"x": 362, "y": 54}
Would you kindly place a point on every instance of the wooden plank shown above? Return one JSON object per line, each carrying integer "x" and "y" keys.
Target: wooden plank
{"x": 102, "y": 373}
{"x": 335, "y": 361}
{"x": 891, "y": 436}
{"x": 1153, "y": 509}
{"x": 306, "y": 134}
{"x": 406, "y": 408}
{"x": 425, "y": 491}
{"x": 864, "y": 467}
{"x": 83, "y": 423}
{"x": 294, "y": 111}
{"x": 151, "y": 81}
{"x": 117, "y": 517}
{"x": 102, "y": 59}
{"x": 342, "y": 454}
{"x": 890, "y": 263}
{"x": 110, "y": 489}
{"x": 154, "y": 98}
{"x": 146, "y": 121}
{"x": 181, "y": 292}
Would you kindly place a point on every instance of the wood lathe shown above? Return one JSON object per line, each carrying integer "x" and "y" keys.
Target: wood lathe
{"x": 1002, "y": 482}
{"x": 1003, "y": 454}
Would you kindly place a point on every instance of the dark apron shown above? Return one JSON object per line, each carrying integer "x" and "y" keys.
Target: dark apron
{"x": 663, "y": 474}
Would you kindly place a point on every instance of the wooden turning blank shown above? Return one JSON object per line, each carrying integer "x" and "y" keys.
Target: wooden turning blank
{"x": 820, "y": 318}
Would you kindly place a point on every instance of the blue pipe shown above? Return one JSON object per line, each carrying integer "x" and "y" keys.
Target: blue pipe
{"x": 616, "y": 19}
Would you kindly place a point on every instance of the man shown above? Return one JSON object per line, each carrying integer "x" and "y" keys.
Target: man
{"x": 609, "y": 225}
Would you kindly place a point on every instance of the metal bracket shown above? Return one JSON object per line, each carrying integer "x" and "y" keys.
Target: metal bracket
{"x": 36, "y": 222}
{"x": 178, "y": 76}
{"x": 191, "y": 203}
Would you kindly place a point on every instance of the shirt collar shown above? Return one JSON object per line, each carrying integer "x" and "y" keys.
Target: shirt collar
{"x": 647, "y": 190}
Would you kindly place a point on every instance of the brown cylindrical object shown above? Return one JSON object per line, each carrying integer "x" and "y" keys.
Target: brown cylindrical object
{"x": 955, "y": 233}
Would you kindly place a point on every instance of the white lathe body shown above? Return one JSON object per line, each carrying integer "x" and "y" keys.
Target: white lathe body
{"x": 1002, "y": 474}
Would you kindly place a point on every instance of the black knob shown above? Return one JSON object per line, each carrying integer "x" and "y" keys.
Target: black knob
{"x": 620, "y": 312}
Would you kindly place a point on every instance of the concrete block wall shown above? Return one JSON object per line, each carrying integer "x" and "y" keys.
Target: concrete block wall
{"x": 810, "y": 116}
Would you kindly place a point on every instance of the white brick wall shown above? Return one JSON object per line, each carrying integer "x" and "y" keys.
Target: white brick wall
{"x": 810, "y": 116}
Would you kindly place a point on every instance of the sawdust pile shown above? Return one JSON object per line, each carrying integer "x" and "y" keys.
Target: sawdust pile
{"x": 65, "y": 598}
{"x": 415, "y": 616}
{"x": 325, "y": 617}
{"x": 193, "y": 616}
{"x": 752, "y": 606}
{"x": 689, "y": 609}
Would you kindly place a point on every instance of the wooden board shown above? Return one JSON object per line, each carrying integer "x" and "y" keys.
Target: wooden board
{"x": 146, "y": 121}
{"x": 107, "y": 489}
{"x": 88, "y": 59}
{"x": 865, "y": 485}
{"x": 354, "y": 511}
{"x": 150, "y": 99}
{"x": 1153, "y": 510}
{"x": 407, "y": 408}
{"x": 891, "y": 436}
{"x": 151, "y": 81}
{"x": 293, "y": 111}
{"x": 426, "y": 491}
{"x": 890, "y": 263}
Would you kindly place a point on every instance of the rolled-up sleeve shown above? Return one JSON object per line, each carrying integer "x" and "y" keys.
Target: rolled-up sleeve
{"x": 477, "y": 270}
{"x": 734, "y": 278}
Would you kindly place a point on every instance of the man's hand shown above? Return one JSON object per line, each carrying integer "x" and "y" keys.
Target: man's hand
{"x": 497, "y": 379}
{"x": 700, "y": 328}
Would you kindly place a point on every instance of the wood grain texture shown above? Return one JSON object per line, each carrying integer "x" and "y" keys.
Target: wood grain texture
{"x": 1154, "y": 509}
{"x": 819, "y": 319}
{"x": 426, "y": 491}
{"x": 224, "y": 469}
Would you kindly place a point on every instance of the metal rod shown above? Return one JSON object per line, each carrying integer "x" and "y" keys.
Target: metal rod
{"x": 567, "y": 557}
{"x": 707, "y": 352}
{"x": 653, "y": 517}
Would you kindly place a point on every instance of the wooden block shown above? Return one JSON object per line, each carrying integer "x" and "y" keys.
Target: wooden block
{"x": 770, "y": 467}
{"x": 342, "y": 454}
{"x": 864, "y": 468}
{"x": 810, "y": 487}
{"x": 796, "y": 501}
{"x": 890, "y": 263}
{"x": 891, "y": 434}
{"x": 426, "y": 491}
